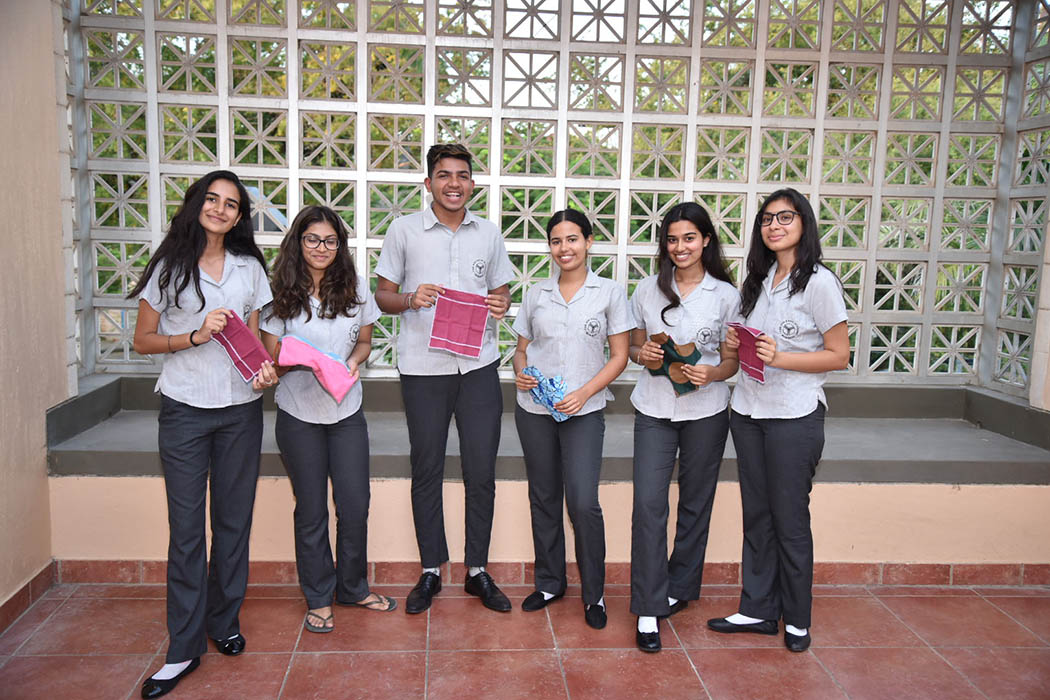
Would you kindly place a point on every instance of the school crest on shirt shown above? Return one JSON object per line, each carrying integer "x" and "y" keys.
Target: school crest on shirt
{"x": 355, "y": 330}
{"x": 705, "y": 335}
{"x": 592, "y": 327}
{"x": 478, "y": 266}
{"x": 788, "y": 329}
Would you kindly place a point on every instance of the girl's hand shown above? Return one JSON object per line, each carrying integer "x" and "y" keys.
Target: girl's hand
{"x": 766, "y": 349}
{"x": 700, "y": 375}
{"x": 426, "y": 296}
{"x": 267, "y": 376}
{"x": 525, "y": 382}
{"x": 572, "y": 402}
{"x": 351, "y": 365}
{"x": 498, "y": 305}
{"x": 732, "y": 339}
{"x": 650, "y": 353}
{"x": 214, "y": 322}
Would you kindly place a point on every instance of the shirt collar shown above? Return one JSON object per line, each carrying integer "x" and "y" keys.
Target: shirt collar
{"x": 708, "y": 283}
{"x": 430, "y": 219}
{"x": 228, "y": 261}
{"x": 551, "y": 284}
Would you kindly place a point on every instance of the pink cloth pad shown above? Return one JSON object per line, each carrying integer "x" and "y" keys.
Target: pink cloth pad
{"x": 749, "y": 360}
{"x": 331, "y": 372}
{"x": 245, "y": 349}
{"x": 459, "y": 323}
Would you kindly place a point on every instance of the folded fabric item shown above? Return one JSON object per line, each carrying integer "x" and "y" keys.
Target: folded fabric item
{"x": 750, "y": 362}
{"x": 548, "y": 392}
{"x": 243, "y": 346}
{"x": 459, "y": 323}
{"x": 329, "y": 369}
{"x": 671, "y": 366}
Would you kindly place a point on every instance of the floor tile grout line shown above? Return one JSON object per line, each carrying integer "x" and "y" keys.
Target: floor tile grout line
{"x": 557, "y": 652}
{"x": 812, "y": 652}
{"x": 40, "y": 625}
{"x": 689, "y": 658}
{"x": 1045, "y": 641}
{"x": 933, "y": 648}
{"x": 291, "y": 662}
{"x": 426, "y": 658}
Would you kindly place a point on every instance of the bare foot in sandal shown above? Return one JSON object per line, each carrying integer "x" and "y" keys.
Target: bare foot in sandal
{"x": 320, "y": 620}
{"x": 377, "y": 602}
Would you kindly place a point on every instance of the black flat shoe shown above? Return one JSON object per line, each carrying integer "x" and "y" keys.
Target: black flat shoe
{"x": 595, "y": 616}
{"x": 485, "y": 588}
{"x": 153, "y": 688}
{"x": 537, "y": 601}
{"x": 795, "y": 642}
{"x": 420, "y": 597}
{"x": 232, "y": 646}
{"x": 648, "y": 641}
{"x": 720, "y": 624}
{"x": 677, "y": 607}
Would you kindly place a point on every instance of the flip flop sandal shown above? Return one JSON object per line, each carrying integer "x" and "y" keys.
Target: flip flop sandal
{"x": 319, "y": 629}
{"x": 382, "y": 603}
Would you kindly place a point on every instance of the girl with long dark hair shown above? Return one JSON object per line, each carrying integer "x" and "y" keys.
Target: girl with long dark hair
{"x": 778, "y": 425}
{"x": 691, "y": 300}
{"x": 210, "y": 427}
{"x": 319, "y": 298}
{"x": 564, "y": 326}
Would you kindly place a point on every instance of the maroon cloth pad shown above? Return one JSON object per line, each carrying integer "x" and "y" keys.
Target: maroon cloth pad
{"x": 749, "y": 360}
{"x": 244, "y": 348}
{"x": 459, "y": 323}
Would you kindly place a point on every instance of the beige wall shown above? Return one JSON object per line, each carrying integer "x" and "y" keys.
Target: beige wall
{"x": 125, "y": 518}
{"x": 33, "y": 355}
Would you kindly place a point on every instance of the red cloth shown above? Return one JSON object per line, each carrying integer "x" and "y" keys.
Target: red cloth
{"x": 331, "y": 372}
{"x": 245, "y": 349}
{"x": 459, "y": 323}
{"x": 749, "y": 360}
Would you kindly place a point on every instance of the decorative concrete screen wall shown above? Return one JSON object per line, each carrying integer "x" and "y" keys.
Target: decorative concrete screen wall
{"x": 920, "y": 130}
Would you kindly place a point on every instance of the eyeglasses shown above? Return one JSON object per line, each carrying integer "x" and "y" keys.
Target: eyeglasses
{"x": 784, "y": 217}
{"x": 312, "y": 241}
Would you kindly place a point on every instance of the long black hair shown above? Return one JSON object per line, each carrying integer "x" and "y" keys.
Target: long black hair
{"x": 573, "y": 217}
{"x": 291, "y": 275}
{"x": 760, "y": 258}
{"x": 710, "y": 258}
{"x": 179, "y": 254}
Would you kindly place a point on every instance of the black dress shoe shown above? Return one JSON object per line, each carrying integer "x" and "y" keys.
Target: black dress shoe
{"x": 153, "y": 688}
{"x": 648, "y": 641}
{"x": 420, "y": 597}
{"x": 677, "y": 607}
{"x": 795, "y": 642}
{"x": 485, "y": 588}
{"x": 537, "y": 601}
{"x": 595, "y": 616}
{"x": 720, "y": 624}
{"x": 232, "y": 646}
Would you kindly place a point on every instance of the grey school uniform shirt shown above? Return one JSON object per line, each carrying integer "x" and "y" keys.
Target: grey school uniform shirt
{"x": 798, "y": 324}
{"x": 299, "y": 393}
{"x": 569, "y": 338}
{"x": 419, "y": 249}
{"x": 204, "y": 376}
{"x": 701, "y": 318}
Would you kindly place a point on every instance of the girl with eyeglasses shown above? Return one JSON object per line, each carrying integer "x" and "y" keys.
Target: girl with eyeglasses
{"x": 210, "y": 425}
{"x": 778, "y": 425}
{"x": 691, "y": 300}
{"x": 319, "y": 297}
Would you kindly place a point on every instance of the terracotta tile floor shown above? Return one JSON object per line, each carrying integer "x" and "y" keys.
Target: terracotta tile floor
{"x": 100, "y": 641}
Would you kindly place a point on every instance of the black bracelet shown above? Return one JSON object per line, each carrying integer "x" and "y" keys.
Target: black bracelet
{"x": 191, "y": 338}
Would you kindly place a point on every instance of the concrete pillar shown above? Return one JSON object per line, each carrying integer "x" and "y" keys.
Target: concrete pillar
{"x": 1039, "y": 386}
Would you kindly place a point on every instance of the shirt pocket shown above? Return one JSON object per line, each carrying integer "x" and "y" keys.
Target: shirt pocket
{"x": 793, "y": 332}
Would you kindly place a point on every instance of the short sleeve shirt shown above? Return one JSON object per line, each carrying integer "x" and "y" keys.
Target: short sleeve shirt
{"x": 419, "y": 249}
{"x": 798, "y": 324}
{"x": 299, "y": 393}
{"x": 701, "y": 318}
{"x": 569, "y": 338}
{"x": 204, "y": 376}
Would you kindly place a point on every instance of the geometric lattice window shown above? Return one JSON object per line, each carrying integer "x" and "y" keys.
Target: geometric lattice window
{"x": 721, "y": 153}
{"x": 899, "y": 286}
{"x": 115, "y": 59}
{"x": 725, "y": 87}
{"x": 327, "y": 139}
{"x": 910, "y": 158}
{"x": 1033, "y": 158}
{"x": 389, "y": 200}
{"x": 269, "y": 204}
{"x": 187, "y": 63}
{"x": 986, "y": 26}
{"x": 1027, "y": 225}
{"x": 664, "y": 21}
{"x": 524, "y": 212}
{"x": 598, "y": 20}
{"x": 395, "y": 142}
{"x": 187, "y": 10}
{"x": 851, "y": 275}
{"x": 785, "y": 155}
{"x": 844, "y": 221}
{"x": 1020, "y": 287}
{"x": 648, "y": 209}
{"x": 260, "y": 136}
{"x": 790, "y": 89}
{"x": 116, "y": 333}
{"x": 528, "y": 147}
{"x": 596, "y": 82}
{"x": 396, "y": 74}
{"x": 189, "y": 134}
{"x": 531, "y": 19}
{"x": 661, "y": 84}
{"x": 659, "y": 150}
{"x": 464, "y": 77}
{"x": 853, "y": 91}
{"x": 849, "y": 157}
{"x": 916, "y": 92}
{"x": 594, "y": 149}
{"x": 922, "y": 26}
{"x": 472, "y": 133}
{"x": 1013, "y": 357}
{"x": 954, "y": 349}
{"x": 794, "y": 24}
{"x": 338, "y": 196}
{"x": 266, "y": 12}
{"x": 1037, "y": 89}
{"x": 118, "y": 130}
{"x": 402, "y": 16}
{"x": 530, "y": 79}
{"x": 327, "y": 14}
{"x": 600, "y": 206}
{"x": 465, "y": 17}
{"x": 729, "y": 23}
{"x": 980, "y": 93}
{"x": 859, "y": 25}
{"x": 118, "y": 265}
{"x": 326, "y": 70}
{"x": 973, "y": 160}
{"x": 905, "y": 223}
{"x": 966, "y": 224}
{"x": 119, "y": 200}
{"x": 259, "y": 67}
{"x": 727, "y": 214}
{"x": 960, "y": 287}
{"x": 894, "y": 348}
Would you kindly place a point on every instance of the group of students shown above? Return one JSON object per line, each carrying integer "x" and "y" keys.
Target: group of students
{"x": 575, "y": 325}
